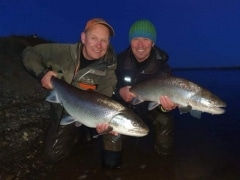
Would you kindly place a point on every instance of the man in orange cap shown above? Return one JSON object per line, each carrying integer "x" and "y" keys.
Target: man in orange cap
{"x": 71, "y": 62}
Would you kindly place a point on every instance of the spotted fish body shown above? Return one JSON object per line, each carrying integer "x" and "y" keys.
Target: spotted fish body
{"x": 189, "y": 96}
{"x": 91, "y": 108}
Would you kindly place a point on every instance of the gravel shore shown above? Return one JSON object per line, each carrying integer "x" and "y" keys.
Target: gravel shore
{"x": 23, "y": 113}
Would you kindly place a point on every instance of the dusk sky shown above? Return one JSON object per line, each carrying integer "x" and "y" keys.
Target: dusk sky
{"x": 195, "y": 33}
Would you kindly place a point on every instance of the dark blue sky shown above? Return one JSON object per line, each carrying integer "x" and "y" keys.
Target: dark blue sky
{"x": 195, "y": 33}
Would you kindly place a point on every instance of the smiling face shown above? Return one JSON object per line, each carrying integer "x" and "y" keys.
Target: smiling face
{"x": 141, "y": 48}
{"x": 96, "y": 42}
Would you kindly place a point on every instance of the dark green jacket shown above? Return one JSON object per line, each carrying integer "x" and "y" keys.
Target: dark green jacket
{"x": 64, "y": 60}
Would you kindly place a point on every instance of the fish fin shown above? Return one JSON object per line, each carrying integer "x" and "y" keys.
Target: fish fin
{"x": 184, "y": 109}
{"x": 67, "y": 120}
{"x": 152, "y": 105}
{"x": 77, "y": 124}
{"x": 193, "y": 113}
{"x": 109, "y": 129}
{"x": 53, "y": 97}
{"x": 136, "y": 101}
{"x": 196, "y": 114}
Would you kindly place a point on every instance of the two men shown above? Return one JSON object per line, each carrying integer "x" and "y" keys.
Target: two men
{"x": 71, "y": 62}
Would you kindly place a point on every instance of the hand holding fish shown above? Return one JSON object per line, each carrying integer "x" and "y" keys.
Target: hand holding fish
{"x": 46, "y": 80}
{"x": 166, "y": 103}
{"x": 104, "y": 129}
{"x": 126, "y": 95}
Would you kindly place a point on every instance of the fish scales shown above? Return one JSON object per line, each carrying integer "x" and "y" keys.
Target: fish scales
{"x": 188, "y": 95}
{"x": 91, "y": 108}
{"x": 79, "y": 100}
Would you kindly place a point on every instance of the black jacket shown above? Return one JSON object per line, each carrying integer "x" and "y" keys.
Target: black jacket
{"x": 130, "y": 72}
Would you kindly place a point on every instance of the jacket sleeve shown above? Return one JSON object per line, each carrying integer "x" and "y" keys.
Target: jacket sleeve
{"x": 33, "y": 60}
{"x": 56, "y": 57}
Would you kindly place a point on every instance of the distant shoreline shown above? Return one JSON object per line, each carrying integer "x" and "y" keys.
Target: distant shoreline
{"x": 207, "y": 68}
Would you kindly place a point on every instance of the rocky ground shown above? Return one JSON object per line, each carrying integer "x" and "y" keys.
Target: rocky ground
{"x": 23, "y": 117}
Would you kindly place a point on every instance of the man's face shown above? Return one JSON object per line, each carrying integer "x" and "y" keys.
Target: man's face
{"x": 141, "y": 48}
{"x": 96, "y": 41}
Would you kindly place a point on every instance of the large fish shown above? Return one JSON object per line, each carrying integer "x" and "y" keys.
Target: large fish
{"x": 91, "y": 108}
{"x": 189, "y": 96}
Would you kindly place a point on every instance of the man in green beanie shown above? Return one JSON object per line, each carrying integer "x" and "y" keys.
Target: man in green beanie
{"x": 141, "y": 61}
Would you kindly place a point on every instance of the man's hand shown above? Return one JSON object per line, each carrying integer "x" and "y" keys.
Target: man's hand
{"x": 104, "y": 128}
{"x": 126, "y": 95}
{"x": 46, "y": 80}
{"x": 167, "y": 104}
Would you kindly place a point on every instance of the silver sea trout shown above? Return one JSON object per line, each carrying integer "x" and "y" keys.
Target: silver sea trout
{"x": 189, "y": 96}
{"x": 91, "y": 108}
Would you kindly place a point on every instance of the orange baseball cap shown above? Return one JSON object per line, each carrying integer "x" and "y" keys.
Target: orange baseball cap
{"x": 95, "y": 21}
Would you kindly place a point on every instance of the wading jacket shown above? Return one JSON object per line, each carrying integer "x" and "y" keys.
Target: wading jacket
{"x": 64, "y": 59}
{"x": 129, "y": 73}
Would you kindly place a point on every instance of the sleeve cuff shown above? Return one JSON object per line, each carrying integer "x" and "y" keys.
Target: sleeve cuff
{"x": 40, "y": 76}
{"x": 162, "y": 109}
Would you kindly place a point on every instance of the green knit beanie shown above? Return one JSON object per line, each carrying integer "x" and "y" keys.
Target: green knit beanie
{"x": 143, "y": 28}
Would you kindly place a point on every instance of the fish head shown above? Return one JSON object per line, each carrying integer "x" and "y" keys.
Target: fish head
{"x": 128, "y": 123}
{"x": 209, "y": 102}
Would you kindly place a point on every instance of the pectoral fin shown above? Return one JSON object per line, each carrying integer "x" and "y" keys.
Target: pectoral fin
{"x": 136, "y": 101}
{"x": 196, "y": 114}
{"x": 186, "y": 109}
{"x": 67, "y": 120}
{"x": 152, "y": 105}
{"x": 53, "y": 97}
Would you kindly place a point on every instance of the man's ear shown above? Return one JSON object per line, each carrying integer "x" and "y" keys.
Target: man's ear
{"x": 83, "y": 37}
